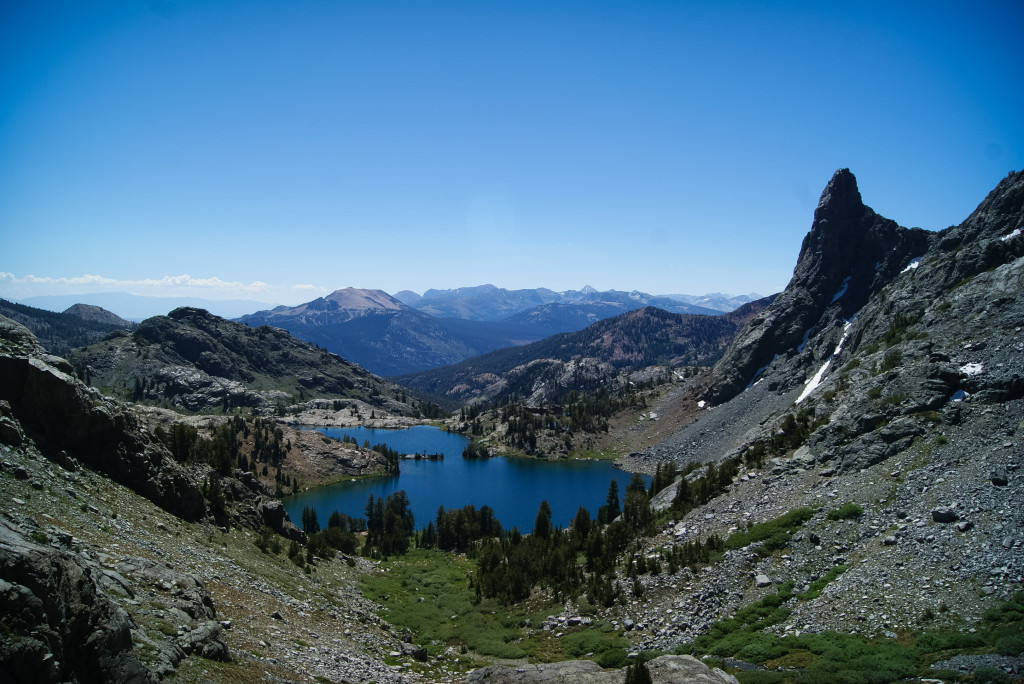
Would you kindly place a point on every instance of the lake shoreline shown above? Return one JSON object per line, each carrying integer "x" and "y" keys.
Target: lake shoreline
{"x": 513, "y": 485}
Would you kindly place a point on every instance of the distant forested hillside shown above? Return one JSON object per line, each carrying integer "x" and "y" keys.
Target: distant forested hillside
{"x": 59, "y": 333}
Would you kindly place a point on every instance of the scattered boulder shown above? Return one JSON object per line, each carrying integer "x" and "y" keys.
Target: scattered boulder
{"x": 999, "y": 478}
{"x": 414, "y": 651}
{"x": 276, "y": 518}
{"x": 944, "y": 515}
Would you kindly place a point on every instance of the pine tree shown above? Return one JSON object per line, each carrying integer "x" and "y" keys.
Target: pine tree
{"x": 542, "y": 525}
{"x": 638, "y": 674}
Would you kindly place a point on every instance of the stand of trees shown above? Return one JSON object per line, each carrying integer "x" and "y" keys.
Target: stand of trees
{"x": 389, "y": 525}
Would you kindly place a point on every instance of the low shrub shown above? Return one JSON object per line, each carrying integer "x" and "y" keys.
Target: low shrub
{"x": 775, "y": 533}
{"x": 1010, "y": 645}
{"x": 991, "y": 675}
{"x": 581, "y": 643}
{"x": 892, "y": 359}
{"x": 814, "y": 589}
{"x": 846, "y": 511}
{"x": 613, "y": 658}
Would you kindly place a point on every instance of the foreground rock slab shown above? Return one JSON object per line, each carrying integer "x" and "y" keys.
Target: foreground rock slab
{"x": 668, "y": 669}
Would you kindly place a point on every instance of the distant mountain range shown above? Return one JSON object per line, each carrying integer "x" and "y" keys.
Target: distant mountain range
{"x": 409, "y": 333}
{"x": 490, "y": 303}
{"x": 544, "y": 371}
{"x": 717, "y": 300}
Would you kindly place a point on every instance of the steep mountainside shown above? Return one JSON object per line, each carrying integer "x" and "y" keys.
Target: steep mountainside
{"x": 542, "y": 371}
{"x": 97, "y": 583}
{"x": 193, "y": 360}
{"x": 59, "y": 333}
{"x": 852, "y": 257}
{"x": 889, "y": 377}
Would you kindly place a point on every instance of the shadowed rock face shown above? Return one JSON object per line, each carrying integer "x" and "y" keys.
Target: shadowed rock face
{"x": 62, "y": 414}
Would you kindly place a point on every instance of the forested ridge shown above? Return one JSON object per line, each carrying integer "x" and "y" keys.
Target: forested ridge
{"x": 637, "y": 339}
{"x": 59, "y": 333}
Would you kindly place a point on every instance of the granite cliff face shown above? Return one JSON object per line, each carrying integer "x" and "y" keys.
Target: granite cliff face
{"x": 858, "y": 268}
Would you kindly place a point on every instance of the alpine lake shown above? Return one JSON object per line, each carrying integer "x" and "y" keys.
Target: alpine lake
{"x": 512, "y": 486}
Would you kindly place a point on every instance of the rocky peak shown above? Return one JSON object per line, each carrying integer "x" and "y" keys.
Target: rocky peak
{"x": 840, "y": 198}
{"x": 358, "y": 299}
{"x": 849, "y": 254}
{"x": 89, "y": 312}
{"x": 190, "y": 313}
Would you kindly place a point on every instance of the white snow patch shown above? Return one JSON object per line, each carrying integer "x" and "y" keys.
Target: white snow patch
{"x": 1012, "y": 235}
{"x": 878, "y": 265}
{"x": 914, "y": 263}
{"x": 842, "y": 289}
{"x": 959, "y": 395}
{"x": 807, "y": 336}
{"x": 757, "y": 374}
{"x": 972, "y": 368}
{"x": 701, "y": 403}
{"x": 815, "y": 380}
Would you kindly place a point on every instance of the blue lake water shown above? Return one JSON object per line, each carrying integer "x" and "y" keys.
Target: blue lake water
{"x": 513, "y": 487}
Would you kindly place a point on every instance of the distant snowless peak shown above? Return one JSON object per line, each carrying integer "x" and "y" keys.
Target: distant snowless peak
{"x": 358, "y": 298}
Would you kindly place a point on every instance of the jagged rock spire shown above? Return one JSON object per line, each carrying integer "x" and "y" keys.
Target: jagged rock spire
{"x": 849, "y": 253}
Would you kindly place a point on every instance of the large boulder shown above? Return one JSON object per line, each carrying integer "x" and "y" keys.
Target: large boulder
{"x": 58, "y": 626}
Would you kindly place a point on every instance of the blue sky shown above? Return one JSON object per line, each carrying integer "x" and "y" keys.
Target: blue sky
{"x": 277, "y": 151}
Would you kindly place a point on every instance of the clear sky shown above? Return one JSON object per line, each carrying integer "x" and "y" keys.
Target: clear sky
{"x": 280, "y": 150}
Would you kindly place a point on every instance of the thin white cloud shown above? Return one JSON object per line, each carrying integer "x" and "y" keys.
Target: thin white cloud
{"x": 20, "y": 287}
